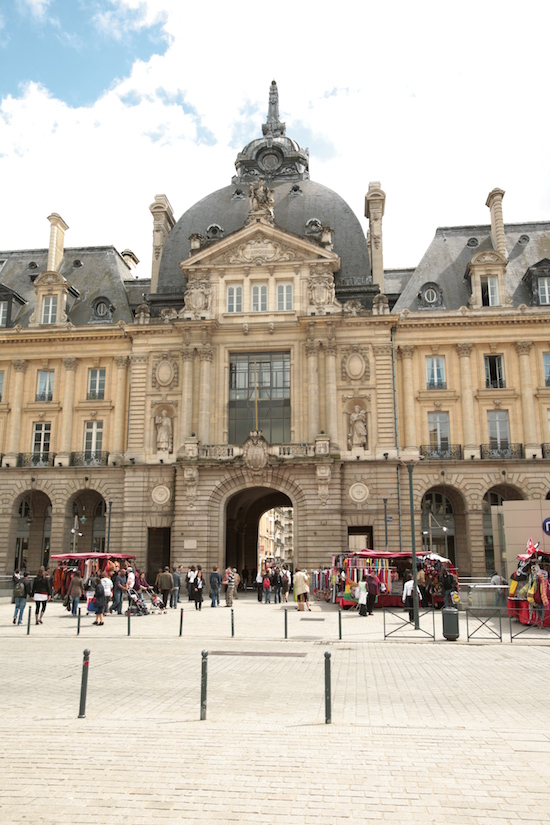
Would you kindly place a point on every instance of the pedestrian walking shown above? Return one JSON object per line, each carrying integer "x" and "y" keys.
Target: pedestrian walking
{"x": 373, "y": 588}
{"x": 20, "y": 592}
{"x": 174, "y": 596}
{"x": 100, "y": 601}
{"x": 197, "y": 588}
{"x": 119, "y": 590}
{"x": 166, "y": 583}
{"x": 215, "y": 584}
{"x": 259, "y": 582}
{"x": 363, "y": 595}
{"x": 229, "y": 580}
{"x": 41, "y": 593}
{"x": 76, "y": 589}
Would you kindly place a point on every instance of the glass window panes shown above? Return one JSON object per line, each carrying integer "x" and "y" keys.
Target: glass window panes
{"x": 284, "y": 297}
{"x": 96, "y": 384}
{"x": 489, "y": 291}
{"x": 499, "y": 430}
{"x": 439, "y": 431}
{"x": 259, "y": 390}
{"x": 44, "y": 386}
{"x": 235, "y": 299}
{"x": 435, "y": 372}
{"x": 41, "y": 438}
{"x": 259, "y": 298}
{"x": 430, "y": 295}
{"x": 93, "y": 438}
{"x": 494, "y": 372}
{"x": 544, "y": 290}
{"x": 3, "y": 313}
{"x": 546, "y": 364}
{"x": 49, "y": 309}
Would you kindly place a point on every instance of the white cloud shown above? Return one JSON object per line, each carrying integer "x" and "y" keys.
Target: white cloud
{"x": 439, "y": 105}
{"x": 37, "y": 8}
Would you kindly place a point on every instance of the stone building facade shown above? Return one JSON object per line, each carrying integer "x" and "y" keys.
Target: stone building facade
{"x": 270, "y": 361}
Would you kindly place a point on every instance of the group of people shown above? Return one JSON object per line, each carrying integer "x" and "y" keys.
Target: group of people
{"x": 40, "y": 590}
{"x": 274, "y": 582}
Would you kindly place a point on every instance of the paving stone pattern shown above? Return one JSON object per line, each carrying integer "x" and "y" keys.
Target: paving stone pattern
{"x": 421, "y": 732}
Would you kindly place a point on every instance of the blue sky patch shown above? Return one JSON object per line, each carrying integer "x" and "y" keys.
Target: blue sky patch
{"x": 77, "y": 49}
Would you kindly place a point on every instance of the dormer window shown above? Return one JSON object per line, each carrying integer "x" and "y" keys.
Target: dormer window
{"x": 4, "y": 314}
{"x": 544, "y": 291}
{"x": 489, "y": 291}
{"x": 49, "y": 309}
{"x": 430, "y": 297}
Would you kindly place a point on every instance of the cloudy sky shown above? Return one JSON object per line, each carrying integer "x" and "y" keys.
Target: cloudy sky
{"x": 106, "y": 103}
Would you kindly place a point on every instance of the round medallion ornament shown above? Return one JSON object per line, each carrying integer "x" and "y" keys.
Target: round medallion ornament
{"x": 161, "y": 494}
{"x": 355, "y": 366}
{"x": 165, "y": 373}
{"x": 358, "y": 492}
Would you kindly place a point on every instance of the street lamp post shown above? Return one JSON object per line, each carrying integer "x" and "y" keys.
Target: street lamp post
{"x": 109, "y": 527}
{"x": 385, "y": 500}
{"x": 410, "y": 467}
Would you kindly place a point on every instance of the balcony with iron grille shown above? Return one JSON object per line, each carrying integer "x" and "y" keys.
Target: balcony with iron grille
{"x": 501, "y": 451}
{"x": 44, "y": 396}
{"x": 436, "y": 385}
{"x": 95, "y": 395}
{"x": 452, "y": 452}
{"x": 89, "y": 458}
{"x": 36, "y": 459}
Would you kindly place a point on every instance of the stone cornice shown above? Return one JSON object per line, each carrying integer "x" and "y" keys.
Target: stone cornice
{"x": 435, "y": 321}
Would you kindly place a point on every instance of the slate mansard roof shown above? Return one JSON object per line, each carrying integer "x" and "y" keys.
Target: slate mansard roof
{"x": 446, "y": 260}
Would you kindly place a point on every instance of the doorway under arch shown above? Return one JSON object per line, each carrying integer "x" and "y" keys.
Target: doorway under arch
{"x": 33, "y": 525}
{"x": 85, "y": 523}
{"x": 242, "y": 518}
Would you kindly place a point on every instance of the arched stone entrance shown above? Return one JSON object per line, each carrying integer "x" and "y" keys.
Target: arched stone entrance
{"x": 85, "y": 523}
{"x": 31, "y": 531}
{"x": 242, "y": 516}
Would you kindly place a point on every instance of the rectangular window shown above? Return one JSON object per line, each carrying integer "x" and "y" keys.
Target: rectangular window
{"x": 489, "y": 291}
{"x": 96, "y": 384}
{"x": 1, "y": 385}
{"x": 49, "y": 309}
{"x": 546, "y": 365}
{"x": 259, "y": 396}
{"x": 259, "y": 298}
{"x": 44, "y": 388}
{"x": 544, "y": 290}
{"x": 4, "y": 305}
{"x": 439, "y": 432}
{"x": 235, "y": 299}
{"x": 499, "y": 430}
{"x": 41, "y": 443}
{"x": 494, "y": 372}
{"x": 435, "y": 373}
{"x": 284, "y": 297}
{"x": 93, "y": 441}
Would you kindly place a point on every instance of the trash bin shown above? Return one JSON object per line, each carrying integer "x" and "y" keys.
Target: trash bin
{"x": 450, "y": 623}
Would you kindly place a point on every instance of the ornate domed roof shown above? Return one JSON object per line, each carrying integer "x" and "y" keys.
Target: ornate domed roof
{"x": 301, "y": 207}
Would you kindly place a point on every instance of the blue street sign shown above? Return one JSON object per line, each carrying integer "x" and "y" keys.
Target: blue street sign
{"x": 546, "y": 526}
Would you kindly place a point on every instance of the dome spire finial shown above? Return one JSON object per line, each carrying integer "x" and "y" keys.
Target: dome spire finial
{"x": 273, "y": 127}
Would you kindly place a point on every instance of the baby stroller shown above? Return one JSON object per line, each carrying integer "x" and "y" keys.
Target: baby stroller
{"x": 136, "y": 604}
{"x": 156, "y": 602}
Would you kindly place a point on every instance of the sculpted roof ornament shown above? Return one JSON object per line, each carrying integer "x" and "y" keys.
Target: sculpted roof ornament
{"x": 273, "y": 127}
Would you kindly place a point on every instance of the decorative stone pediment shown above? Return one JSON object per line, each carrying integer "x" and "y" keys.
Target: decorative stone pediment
{"x": 260, "y": 250}
{"x": 50, "y": 279}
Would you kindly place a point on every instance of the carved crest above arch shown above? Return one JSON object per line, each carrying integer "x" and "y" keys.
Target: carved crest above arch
{"x": 260, "y": 250}
{"x": 255, "y": 451}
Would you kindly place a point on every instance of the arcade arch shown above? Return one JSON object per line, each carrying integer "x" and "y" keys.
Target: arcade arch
{"x": 31, "y": 530}
{"x": 493, "y": 524}
{"x": 242, "y": 518}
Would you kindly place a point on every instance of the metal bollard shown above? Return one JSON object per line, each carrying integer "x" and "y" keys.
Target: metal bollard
{"x": 204, "y": 673}
{"x": 78, "y": 622}
{"x": 84, "y": 685}
{"x": 181, "y": 620}
{"x": 29, "y": 621}
{"x": 286, "y": 623}
{"x": 340, "y": 624}
{"x": 129, "y": 614}
{"x": 232, "y": 624}
{"x": 328, "y": 712}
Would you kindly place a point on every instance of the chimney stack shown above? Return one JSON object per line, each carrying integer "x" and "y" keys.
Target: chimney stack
{"x": 375, "y": 201}
{"x": 494, "y": 202}
{"x": 163, "y": 221}
{"x": 58, "y": 228}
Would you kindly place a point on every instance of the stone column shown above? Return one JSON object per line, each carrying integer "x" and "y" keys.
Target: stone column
{"x": 121, "y": 362}
{"x": 68, "y": 410}
{"x": 331, "y": 394}
{"x": 187, "y": 394}
{"x": 312, "y": 353}
{"x": 530, "y": 445}
{"x": 375, "y": 200}
{"x": 206, "y": 355}
{"x": 468, "y": 417}
{"x": 20, "y": 367}
{"x": 406, "y": 353}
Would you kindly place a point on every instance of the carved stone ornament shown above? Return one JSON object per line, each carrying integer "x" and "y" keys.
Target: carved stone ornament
{"x": 261, "y": 203}
{"x": 255, "y": 451}
{"x": 198, "y": 296}
{"x": 190, "y": 481}
{"x": 358, "y": 492}
{"x": 160, "y": 495}
{"x": 323, "y": 474}
{"x": 353, "y": 307}
{"x": 165, "y": 372}
{"x": 259, "y": 250}
{"x": 355, "y": 364}
{"x": 168, "y": 314}
{"x": 143, "y": 314}
{"x": 320, "y": 291}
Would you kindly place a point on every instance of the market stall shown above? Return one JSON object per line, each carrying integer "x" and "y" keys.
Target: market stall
{"x": 529, "y": 596}
{"x": 390, "y": 568}
{"x": 89, "y": 564}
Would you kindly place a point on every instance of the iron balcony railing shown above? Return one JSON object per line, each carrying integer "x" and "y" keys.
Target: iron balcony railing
{"x": 436, "y": 385}
{"x": 502, "y": 451}
{"x": 44, "y": 396}
{"x": 452, "y": 452}
{"x": 36, "y": 459}
{"x": 89, "y": 458}
{"x": 95, "y": 395}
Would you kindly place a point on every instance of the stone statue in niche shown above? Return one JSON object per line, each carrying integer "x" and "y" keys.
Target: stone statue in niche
{"x": 164, "y": 431}
{"x": 261, "y": 201}
{"x": 357, "y": 436}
